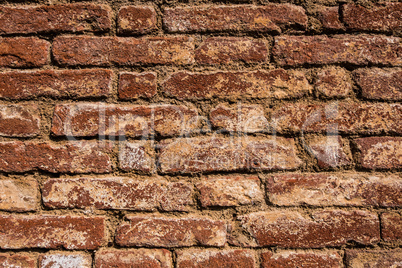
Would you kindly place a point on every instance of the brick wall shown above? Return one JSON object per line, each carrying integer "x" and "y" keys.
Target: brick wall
{"x": 242, "y": 133}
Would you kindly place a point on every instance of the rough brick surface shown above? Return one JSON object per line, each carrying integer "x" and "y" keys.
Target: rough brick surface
{"x": 334, "y": 189}
{"x": 118, "y": 193}
{"x": 350, "y": 49}
{"x": 137, "y": 85}
{"x": 19, "y": 194}
{"x": 284, "y": 228}
{"x": 25, "y": 120}
{"x": 279, "y": 84}
{"x": 294, "y": 259}
{"x": 155, "y": 258}
{"x": 105, "y": 51}
{"x": 333, "y": 82}
{"x": 136, "y": 19}
{"x": 330, "y": 151}
{"x": 374, "y": 258}
{"x": 46, "y": 231}
{"x": 391, "y": 227}
{"x": 63, "y": 259}
{"x": 329, "y": 18}
{"x": 171, "y": 232}
{"x": 138, "y": 156}
{"x": 17, "y": 260}
{"x": 23, "y": 52}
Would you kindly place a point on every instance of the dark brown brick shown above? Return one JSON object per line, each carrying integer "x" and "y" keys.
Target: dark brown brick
{"x": 171, "y": 232}
{"x": 285, "y": 228}
{"x": 268, "y": 18}
{"x": 8, "y": 260}
{"x": 136, "y": 19}
{"x": 334, "y": 189}
{"x": 333, "y": 82}
{"x": 118, "y": 193}
{"x": 350, "y": 49}
{"x": 23, "y": 52}
{"x": 330, "y": 151}
{"x": 55, "y": 18}
{"x": 19, "y": 194}
{"x": 19, "y": 120}
{"x": 295, "y": 259}
{"x": 132, "y": 258}
{"x": 380, "y": 152}
{"x": 49, "y": 231}
{"x": 71, "y": 157}
{"x": 137, "y": 156}
{"x": 380, "y": 84}
{"x": 388, "y": 258}
{"x": 56, "y": 84}
{"x": 278, "y": 84}
{"x": 137, "y": 85}
{"x": 124, "y": 51}
{"x": 329, "y": 18}
{"x": 391, "y": 227}
{"x": 55, "y": 259}
{"x": 224, "y": 50}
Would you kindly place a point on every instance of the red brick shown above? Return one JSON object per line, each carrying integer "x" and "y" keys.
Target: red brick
{"x": 54, "y": 259}
{"x": 71, "y": 84}
{"x": 171, "y": 232}
{"x": 230, "y": 191}
{"x": 350, "y": 49}
{"x": 379, "y": 17}
{"x": 49, "y": 231}
{"x": 19, "y": 120}
{"x": 224, "y": 50}
{"x": 295, "y": 259}
{"x": 137, "y": 85}
{"x": 268, "y": 18}
{"x": 199, "y": 258}
{"x": 71, "y": 157}
{"x": 91, "y": 119}
{"x": 329, "y": 18}
{"x": 137, "y": 156}
{"x": 223, "y": 154}
{"x": 132, "y": 258}
{"x": 345, "y": 117}
{"x": 279, "y": 84}
{"x": 54, "y": 18}
{"x": 388, "y": 258}
{"x": 123, "y": 51}
{"x": 239, "y": 118}
{"x": 118, "y": 193}
{"x": 333, "y": 82}
{"x": 333, "y": 189}
{"x": 17, "y": 260}
{"x": 20, "y": 52}
{"x": 330, "y": 151}
{"x": 391, "y": 226}
{"x": 380, "y": 84}
{"x": 380, "y": 152}
{"x": 19, "y": 194}
{"x": 136, "y": 19}
{"x": 285, "y": 228}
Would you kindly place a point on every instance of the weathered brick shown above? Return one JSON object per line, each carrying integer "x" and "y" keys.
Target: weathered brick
{"x": 19, "y": 194}
{"x": 329, "y": 18}
{"x": 19, "y": 120}
{"x": 55, "y": 259}
{"x": 171, "y": 232}
{"x": 224, "y": 50}
{"x": 17, "y": 260}
{"x": 380, "y": 84}
{"x": 351, "y": 49}
{"x": 20, "y": 52}
{"x": 71, "y": 84}
{"x": 380, "y": 152}
{"x": 224, "y": 154}
{"x": 379, "y": 17}
{"x": 295, "y": 259}
{"x": 284, "y": 228}
{"x": 123, "y": 51}
{"x": 91, "y": 119}
{"x": 333, "y": 82}
{"x": 54, "y": 18}
{"x": 118, "y": 193}
{"x": 330, "y": 151}
{"x": 268, "y": 18}
{"x": 137, "y": 85}
{"x": 333, "y": 189}
{"x": 388, "y": 258}
{"x": 196, "y": 258}
{"x": 49, "y": 231}
{"x": 71, "y": 157}
{"x": 345, "y": 117}
{"x": 391, "y": 226}
{"x": 137, "y": 156}
{"x": 279, "y": 84}
{"x": 155, "y": 258}
{"x": 239, "y": 118}
{"x": 230, "y": 191}
{"x": 136, "y": 19}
